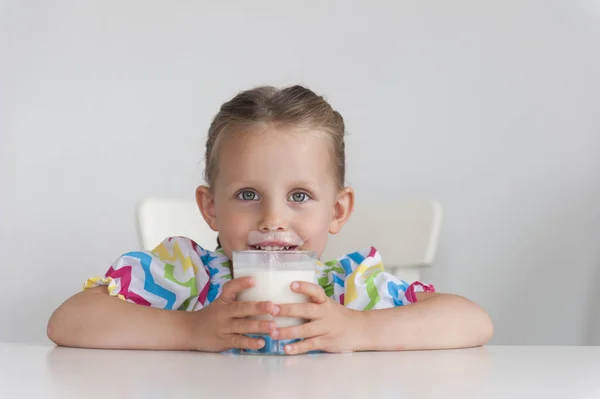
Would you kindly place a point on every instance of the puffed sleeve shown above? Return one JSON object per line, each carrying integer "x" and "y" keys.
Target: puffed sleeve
{"x": 358, "y": 281}
{"x": 176, "y": 275}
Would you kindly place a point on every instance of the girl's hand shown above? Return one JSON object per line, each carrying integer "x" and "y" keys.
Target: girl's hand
{"x": 221, "y": 325}
{"x": 332, "y": 327}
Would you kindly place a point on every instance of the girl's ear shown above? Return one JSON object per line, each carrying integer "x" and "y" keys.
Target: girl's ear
{"x": 342, "y": 209}
{"x": 206, "y": 204}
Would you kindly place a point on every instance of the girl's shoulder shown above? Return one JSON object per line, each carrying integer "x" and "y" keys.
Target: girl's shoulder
{"x": 186, "y": 251}
{"x": 368, "y": 257}
{"x": 359, "y": 281}
{"x": 176, "y": 274}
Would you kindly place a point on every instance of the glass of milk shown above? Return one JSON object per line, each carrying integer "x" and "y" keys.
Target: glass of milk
{"x": 274, "y": 272}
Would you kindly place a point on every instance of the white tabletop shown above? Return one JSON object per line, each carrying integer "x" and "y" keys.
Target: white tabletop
{"x": 29, "y": 371}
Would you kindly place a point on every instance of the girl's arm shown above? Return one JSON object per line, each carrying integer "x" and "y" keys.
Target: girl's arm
{"x": 435, "y": 321}
{"x": 94, "y": 319}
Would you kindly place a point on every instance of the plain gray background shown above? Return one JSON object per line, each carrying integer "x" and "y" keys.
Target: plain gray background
{"x": 489, "y": 107}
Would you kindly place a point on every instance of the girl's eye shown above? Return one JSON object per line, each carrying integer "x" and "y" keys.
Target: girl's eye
{"x": 298, "y": 197}
{"x": 248, "y": 195}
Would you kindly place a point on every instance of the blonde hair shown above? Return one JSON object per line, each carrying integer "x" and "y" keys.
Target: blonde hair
{"x": 291, "y": 106}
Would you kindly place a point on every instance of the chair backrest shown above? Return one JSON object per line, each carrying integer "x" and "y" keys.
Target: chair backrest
{"x": 159, "y": 218}
{"x": 405, "y": 232}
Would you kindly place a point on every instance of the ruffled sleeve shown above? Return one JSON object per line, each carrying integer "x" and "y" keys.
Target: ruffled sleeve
{"x": 359, "y": 281}
{"x": 176, "y": 275}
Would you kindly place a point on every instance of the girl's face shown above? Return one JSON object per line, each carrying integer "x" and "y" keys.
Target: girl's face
{"x": 275, "y": 190}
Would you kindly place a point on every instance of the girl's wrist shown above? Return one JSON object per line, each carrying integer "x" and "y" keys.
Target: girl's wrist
{"x": 202, "y": 336}
{"x": 378, "y": 330}
{"x": 362, "y": 331}
{"x": 189, "y": 335}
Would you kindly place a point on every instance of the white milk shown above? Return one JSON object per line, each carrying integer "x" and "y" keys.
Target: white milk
{"x": 274, "y": 285}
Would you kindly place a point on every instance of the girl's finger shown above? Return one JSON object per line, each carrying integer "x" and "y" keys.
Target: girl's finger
{"x": 249, "y": 326}
{"x": 233, "y": 287}
{"x": 307, "y": 330}
{"x": 309, "y": 311}
{"x": 307, "y": 345}
{"x": 243, "y": 309}
{"x": 243, "y": 342}
{"x": 313, "y": 291}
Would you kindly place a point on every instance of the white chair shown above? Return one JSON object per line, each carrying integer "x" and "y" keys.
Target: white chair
{"x": 405, "y": 232}
{"x": 159, "y": 218}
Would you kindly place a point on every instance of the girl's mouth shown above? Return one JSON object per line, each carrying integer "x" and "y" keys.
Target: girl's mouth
{"x": 273, "y": 247}
{"x": 274, "y": 241}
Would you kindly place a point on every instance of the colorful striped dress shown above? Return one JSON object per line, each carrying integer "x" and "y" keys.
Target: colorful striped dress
{"x": 181, "y": 275}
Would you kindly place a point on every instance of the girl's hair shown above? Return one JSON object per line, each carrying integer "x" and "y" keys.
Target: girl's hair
{"x": 294, "y": 106}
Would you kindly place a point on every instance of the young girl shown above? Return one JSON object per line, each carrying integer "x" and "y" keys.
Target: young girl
{"x": 275, "y": 169}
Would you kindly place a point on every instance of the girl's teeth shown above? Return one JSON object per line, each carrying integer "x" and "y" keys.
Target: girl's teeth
{"x": 272, "y": 248}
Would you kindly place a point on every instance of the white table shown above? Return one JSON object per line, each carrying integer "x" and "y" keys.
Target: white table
{"x": 29, "y": 371}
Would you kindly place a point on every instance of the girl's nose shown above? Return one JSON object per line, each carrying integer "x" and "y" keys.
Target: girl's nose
{"x": 272, "y": 219}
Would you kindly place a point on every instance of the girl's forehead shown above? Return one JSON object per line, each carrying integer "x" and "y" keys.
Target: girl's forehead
{"x": 276, "y": 154}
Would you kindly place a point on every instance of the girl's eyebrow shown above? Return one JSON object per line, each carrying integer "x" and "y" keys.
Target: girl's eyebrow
{"x": 295, "y": 184}
{"x": 242, "y": 184}
{"x": 310, "y": 185}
